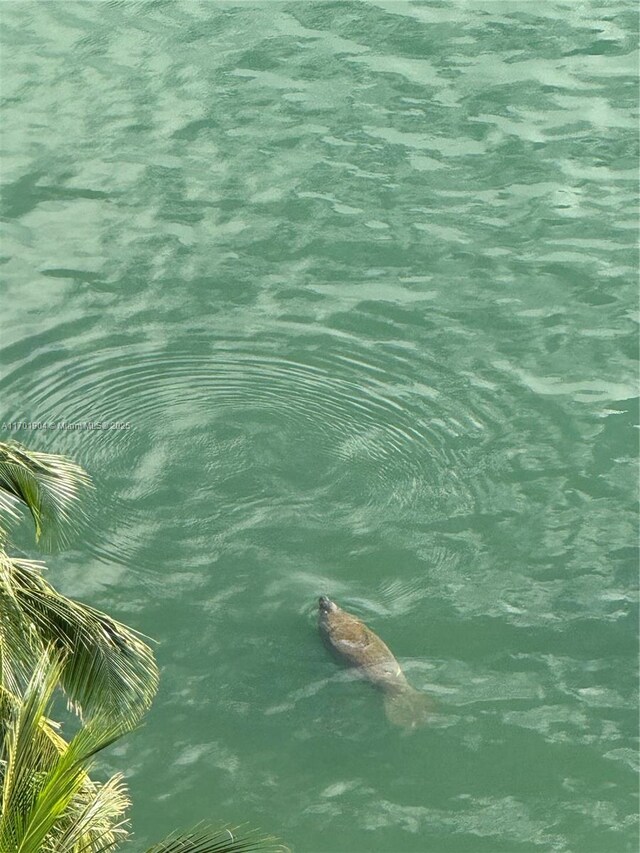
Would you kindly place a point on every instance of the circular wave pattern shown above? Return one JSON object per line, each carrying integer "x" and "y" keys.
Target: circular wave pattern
{"x": 281, "y": 429}
{"x": 373, "y": 419}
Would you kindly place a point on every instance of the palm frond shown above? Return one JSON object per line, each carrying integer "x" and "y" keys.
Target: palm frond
{"x": 48, "y": 484}
{"x": 23, "y": 760}
{"x": 20, "y": 644}
{"x": 45, "y": 787}
{"x": 8, "y": 512}
{"x": 107, "y": 667}
{"x": 94, "y": 821}
{"x": 223, "y": 840}
{"x": 49, "y": 741}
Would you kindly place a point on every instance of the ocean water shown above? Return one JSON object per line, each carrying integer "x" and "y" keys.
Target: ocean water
{"x": 353, "y": 287}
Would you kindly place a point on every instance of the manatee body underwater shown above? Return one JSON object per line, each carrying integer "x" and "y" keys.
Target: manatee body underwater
{"x": 357, "y": 646}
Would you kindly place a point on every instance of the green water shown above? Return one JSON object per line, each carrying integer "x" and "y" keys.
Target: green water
{"x": 361, "y": 277}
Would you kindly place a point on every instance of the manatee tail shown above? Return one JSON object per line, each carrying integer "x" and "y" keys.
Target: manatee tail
{"x": 408, "y": 708}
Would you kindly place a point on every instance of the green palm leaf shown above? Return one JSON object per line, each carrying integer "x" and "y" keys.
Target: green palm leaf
{"x": 8, "y": 512}
{"x": 48, "y": 801}
{"x": 20, "y": 644}
{"x": 48, "y": 484}
{"x": 107, "y": 667}
{"x": 94, "y": 820}
{"x": 224, "y": 840}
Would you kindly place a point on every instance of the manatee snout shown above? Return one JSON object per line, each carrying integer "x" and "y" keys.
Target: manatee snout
{"x": 326, "y": 605}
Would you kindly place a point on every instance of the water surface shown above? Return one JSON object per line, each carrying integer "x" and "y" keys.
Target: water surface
{"x": 361, "y": 278}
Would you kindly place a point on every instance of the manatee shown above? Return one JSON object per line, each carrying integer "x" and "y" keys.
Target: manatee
{"x": 357, "y": 646}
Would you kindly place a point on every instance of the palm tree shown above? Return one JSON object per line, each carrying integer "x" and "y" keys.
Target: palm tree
{"x": 106, "y": 667}
{"x": 48, "y": 802}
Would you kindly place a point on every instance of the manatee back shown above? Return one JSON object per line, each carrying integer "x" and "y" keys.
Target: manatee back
{"x": 358, "y": 646}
